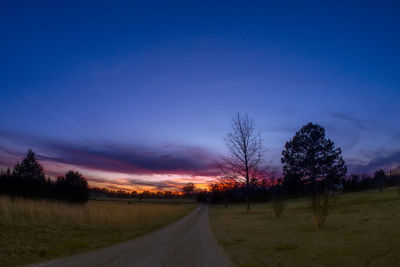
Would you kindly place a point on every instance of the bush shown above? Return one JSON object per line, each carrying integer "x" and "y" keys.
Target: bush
{"x": 278, "y": 206}
{"x": 72, "y": 188}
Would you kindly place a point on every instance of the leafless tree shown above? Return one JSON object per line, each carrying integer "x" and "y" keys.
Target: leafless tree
{"x": 189, "y": 190}
{"x": 242, "y": 165}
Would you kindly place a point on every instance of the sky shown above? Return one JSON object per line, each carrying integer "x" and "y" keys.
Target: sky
{"x": 138, "y": 95}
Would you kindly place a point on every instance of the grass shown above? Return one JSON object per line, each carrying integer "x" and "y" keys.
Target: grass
{"x": 33, "y": 231}
{"x": 363, "y": 229}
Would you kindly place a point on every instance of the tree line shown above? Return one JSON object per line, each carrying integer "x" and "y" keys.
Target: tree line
{"x": 289, "y": 186}
{"x": 101, "y": 193}
{"x": 27, "y": 179}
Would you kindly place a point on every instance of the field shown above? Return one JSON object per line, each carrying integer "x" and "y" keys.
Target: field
{"x": 363, "y": 229}
{"x": 34, "y": 231}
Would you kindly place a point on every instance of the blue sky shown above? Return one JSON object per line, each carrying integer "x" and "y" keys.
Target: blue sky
{"x": 116, "y": 78}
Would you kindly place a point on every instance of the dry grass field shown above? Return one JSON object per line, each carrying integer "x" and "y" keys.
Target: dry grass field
{"x": 361, "y": 230}
{"x": 33, "y": 231}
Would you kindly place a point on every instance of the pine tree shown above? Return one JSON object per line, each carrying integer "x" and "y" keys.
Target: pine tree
{"x": 315, "y": 159}
{"x": 29, "y": 178}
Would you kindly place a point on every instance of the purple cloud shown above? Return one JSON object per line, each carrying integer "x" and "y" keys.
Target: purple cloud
{"x": 387, "y": 161}
{"x": 135, "y": 182}
{"x": 137, "y": 159}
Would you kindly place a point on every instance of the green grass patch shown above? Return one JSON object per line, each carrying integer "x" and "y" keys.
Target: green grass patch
{"x": 34, "y": 231}
{"x": 361, "y": 230}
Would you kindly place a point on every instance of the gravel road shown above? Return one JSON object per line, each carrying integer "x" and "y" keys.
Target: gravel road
{"x": 187, "y": 242}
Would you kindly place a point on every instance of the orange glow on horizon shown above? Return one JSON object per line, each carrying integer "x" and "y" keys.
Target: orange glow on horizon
{"x": 129, "y": 182}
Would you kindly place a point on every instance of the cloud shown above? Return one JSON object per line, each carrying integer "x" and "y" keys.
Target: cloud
{"x": 356, "y": 122}
{"x": 161, "y": 185}
{"x": 134, "y": 159}
{"x": 114, "y": 188}
{"x": 386, "y": 161}
{"x": 9, "y": 157}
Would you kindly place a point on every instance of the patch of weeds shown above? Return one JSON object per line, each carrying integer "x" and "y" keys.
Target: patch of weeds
{"x": 263, "y": 218}
{"x": 356, "y": 231}
{"x": 76, "y": 244}
{"x": 347, "y": 211}
{"x": 283, "y": 247}
{"x": 42, "y": 253}
{"x": 226, "y": 243}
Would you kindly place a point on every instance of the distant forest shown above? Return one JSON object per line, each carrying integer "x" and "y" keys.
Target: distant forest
{"x": 294, "y": 187}
{"x": 27, "y": 179}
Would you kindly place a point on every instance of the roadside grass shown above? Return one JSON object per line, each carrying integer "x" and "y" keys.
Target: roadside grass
{"x": 362, "y": 229}
{"x": 33, "y": 231}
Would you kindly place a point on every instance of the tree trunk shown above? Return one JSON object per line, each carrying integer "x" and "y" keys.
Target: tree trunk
{"x": 247, "y": 185}
{"x": 315, "y": 204}
{"x": 247, "y": 194}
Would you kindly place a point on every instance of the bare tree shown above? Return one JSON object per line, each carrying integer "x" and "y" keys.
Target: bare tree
{"x": 189, "y": 190}
{"x": 242, "y": 165}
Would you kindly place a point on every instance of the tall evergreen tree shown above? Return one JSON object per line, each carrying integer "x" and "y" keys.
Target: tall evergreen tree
{"x": 29, "y": 178}
{"x": 316, "y": 160}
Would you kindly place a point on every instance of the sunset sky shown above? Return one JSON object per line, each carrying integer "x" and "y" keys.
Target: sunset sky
{"x": 140, "y": 96}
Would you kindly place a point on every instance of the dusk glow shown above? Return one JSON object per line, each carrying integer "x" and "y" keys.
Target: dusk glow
{"x": 140, "y": 97}
{"x": 199, "y": 133}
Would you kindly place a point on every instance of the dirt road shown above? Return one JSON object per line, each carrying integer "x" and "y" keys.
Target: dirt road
{"x": 188, "y": 242}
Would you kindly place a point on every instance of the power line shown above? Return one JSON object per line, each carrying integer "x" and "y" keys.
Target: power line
{"x": 54, "y": 104}
{"x": 59, "y": 107}
{"x": 48, "y": 115}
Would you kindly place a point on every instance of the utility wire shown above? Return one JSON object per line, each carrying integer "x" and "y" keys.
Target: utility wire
{"x": 59, "y": 107}
{"x": 54, "y": 104}
{"x": 23, "y": 99}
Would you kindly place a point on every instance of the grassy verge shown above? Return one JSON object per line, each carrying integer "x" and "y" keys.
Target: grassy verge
{"x": 34, "y": 231}
{"x": 361, "y": 230}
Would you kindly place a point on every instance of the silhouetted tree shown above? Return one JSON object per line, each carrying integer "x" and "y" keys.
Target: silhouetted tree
{"x": 29, "y": 179}
{"x": 314, "y": 158}
{"x": 145, "y": 194}
{"x": 293, "y": 185}
{"x": 189, "y": 190}
{"x": 202, "y": 195}
{"x": 354, "y": 182}
{"x": 245, "y": 155}
{"x": 366, "y": 182}
{"x": 73, "y": 187}
{"x": 220, "y": 192}
{"x": 380, "y": 179}
{"x": 6, "y": 182}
